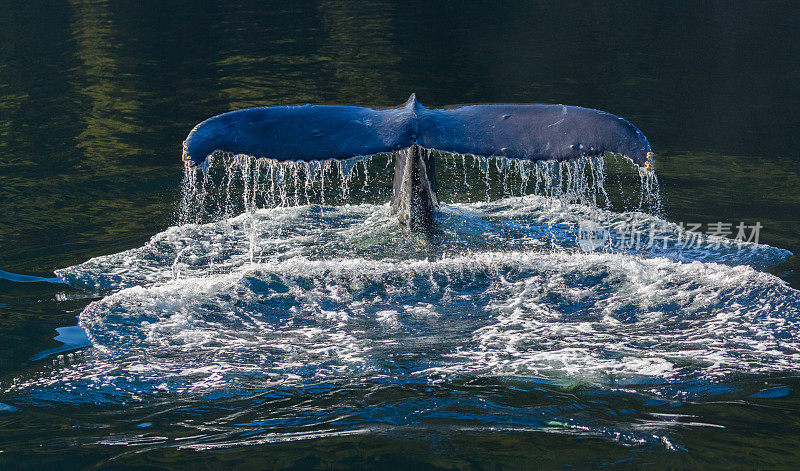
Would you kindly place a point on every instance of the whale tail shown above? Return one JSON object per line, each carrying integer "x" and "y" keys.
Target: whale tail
{"x": 322, "y": 132}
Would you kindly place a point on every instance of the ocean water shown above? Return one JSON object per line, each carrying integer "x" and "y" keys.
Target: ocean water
{"x": 312, "y": 322}
{"x": 264, "y": 316}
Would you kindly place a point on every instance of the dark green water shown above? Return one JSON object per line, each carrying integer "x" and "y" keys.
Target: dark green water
{"x": 96, "y": 98}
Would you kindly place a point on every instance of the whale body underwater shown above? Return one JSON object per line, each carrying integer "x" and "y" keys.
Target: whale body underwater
{"x": 412, "y": 131}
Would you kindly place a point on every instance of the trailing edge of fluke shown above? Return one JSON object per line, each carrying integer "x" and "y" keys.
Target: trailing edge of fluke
{"x": 322, "y": 132}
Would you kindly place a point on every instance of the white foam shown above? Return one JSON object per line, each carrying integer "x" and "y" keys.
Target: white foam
{"x": 322, "y": 293}
{"x": 588, "y": 317}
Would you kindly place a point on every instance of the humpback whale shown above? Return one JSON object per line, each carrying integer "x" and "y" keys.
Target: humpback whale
{"x": 413, "y": 131}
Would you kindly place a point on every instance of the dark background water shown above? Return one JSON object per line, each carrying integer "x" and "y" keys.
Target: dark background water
{"x": 96, "y": 98}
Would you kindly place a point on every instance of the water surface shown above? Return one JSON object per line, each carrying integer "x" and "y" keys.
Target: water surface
{"x": 319, "y": 334}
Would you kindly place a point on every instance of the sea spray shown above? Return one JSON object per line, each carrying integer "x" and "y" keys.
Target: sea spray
{"x": 229, "y": 184}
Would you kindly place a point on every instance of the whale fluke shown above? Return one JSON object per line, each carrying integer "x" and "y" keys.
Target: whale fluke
{"x": 322, "y": 132}
{"x": 534, "y": 132}
{"x": 305, "y": 132}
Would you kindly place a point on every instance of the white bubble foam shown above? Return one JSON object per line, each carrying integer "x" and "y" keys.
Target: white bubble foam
{"x": 341, "y": 293}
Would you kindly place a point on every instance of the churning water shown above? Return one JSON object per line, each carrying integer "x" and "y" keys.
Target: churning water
{"x": 289, "y": 303}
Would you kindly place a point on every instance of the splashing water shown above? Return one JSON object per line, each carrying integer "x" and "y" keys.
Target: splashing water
{"x": 268, "y": 292}
{"x": 230, "y": 184}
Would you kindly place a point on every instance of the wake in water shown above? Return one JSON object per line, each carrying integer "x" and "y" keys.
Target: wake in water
{"x": 336, "y": 307}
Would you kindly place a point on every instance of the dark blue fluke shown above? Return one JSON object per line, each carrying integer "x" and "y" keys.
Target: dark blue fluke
{"x": 321, "y": 132}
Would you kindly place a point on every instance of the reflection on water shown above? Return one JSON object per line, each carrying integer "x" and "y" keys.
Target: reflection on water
{"x": 455, "y": 354}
